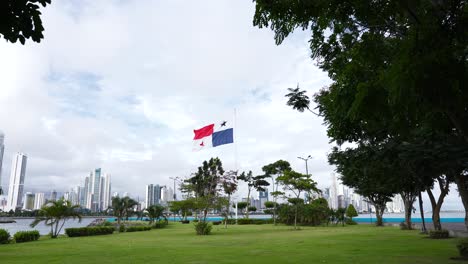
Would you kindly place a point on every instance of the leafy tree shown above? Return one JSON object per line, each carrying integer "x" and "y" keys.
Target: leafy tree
{"x": 122, "y": 207}
{"x": 253, "y": 182}
{"x": 183, "y": 207}
{"x": 55, "y": 214}
{"x": 351, "y": 211}
{"x": 297, "y": 183}
{"x": 155, "y": 211}
{"x": 340, "y": 215}
{"x": 206, "y": 185}
{"x": 242, "y": 206}
{"x": 21, "y": 19}
{"x": 251, "y": 208}
{"x": 229, "y": 184}
{"x": 273, "y": 170}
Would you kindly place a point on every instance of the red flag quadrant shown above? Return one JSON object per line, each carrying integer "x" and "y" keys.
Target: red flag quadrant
{"x": 206, "y": 137}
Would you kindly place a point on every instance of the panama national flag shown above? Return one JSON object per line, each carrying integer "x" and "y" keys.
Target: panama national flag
{"x": 207, "y": 137}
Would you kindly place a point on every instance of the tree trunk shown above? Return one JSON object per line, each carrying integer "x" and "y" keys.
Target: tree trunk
{"x": 379, "y": 210}
{"x": 248, "y": 205}
{"x": 462, "y": 185}
{"x": 421, "y": 210}
{"x": 436, "y": 206}
{"x": 408, "y": 200}
{"x": 295, "y": 219}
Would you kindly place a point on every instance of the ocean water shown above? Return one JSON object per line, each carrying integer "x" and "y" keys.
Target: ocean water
{"x": 445, "y": 217}
{"x": 22, "y": 224}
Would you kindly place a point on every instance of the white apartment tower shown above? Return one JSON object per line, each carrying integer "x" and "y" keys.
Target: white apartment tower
{"x": 39, "y": 200}
{"x": 16, "y": 185}
{"x": 106, "y": 192}
{"x": 153, "y": 195}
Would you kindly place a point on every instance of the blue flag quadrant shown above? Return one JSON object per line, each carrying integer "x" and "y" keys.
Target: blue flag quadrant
{"x": 223, "y": 137}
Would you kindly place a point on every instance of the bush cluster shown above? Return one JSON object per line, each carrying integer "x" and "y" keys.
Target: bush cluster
{"x": 203, "y": 228}
{"x": 313, "y": 214}
{"x": 138, "y": 228}
{"x": 89, "y": 231}
{"x": 216, "y": 222}
{"x": 4, "y": 236}
{"x": 462, "y": 246}
{"x": 249, "y": 221}
{"x": 160, "y": 224}
{"x": 439, "y": 234}
{"x": 122, "y": 228}
{"x": 350, "y": 221}
{"x": 186, "y": 221}
{"x": 26, "y": 236}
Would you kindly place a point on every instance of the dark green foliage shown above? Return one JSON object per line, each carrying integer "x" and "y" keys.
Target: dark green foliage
{"x": 155, "y": 211}
{"x": 106, "y": 223}
{"x": 252, "y": 209}
{"x": 250, "y": 221}
{"x": 4, "y": 236}
{"x": 312, "y": 214}
{"x": 439, "y": 234}
{"x": 350, "y": 221}
{"x": 462, "y": 246}
{"x": 26, "y": 236}
{"x": 217, "y": 222}
{"x": 21, "y": 19}
{"x": 186, "y": 221}
{"x": 351, "y": 211}
{"x": 122, "y": 207}
{"x": 270, "y": 204}
{"x": 404, "y": 226}
{"x": 122, "y": 228}
{"x": 89, "y": 231}
{"x": 138, "y": 228}
{"x": 242, "y": 205}
{"x": 203, "y": 228}
{"x": 160, "y": 224}
{"x": 195, "y": 220}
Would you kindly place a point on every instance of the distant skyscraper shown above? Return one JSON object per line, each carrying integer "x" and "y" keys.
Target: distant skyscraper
{"x": 153, "y": 195}
{"x": 28, "y": 201}
{"x": 53, "y": 196}
{"x": 263, "y": 197}
{"x": 96, "y": 190}
{"x": 2, "y": 150}
{"x": 39, "y": 200}
{"x": 16, "y": 185}
{"x": 106, "y": 192}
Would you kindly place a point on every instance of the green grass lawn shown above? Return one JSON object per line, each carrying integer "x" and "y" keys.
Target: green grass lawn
{"x": 240, "y": 244}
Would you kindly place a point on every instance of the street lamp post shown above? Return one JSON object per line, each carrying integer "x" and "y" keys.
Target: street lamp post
{"x": 306, "y": 159}
{"x": 174, "y": 195}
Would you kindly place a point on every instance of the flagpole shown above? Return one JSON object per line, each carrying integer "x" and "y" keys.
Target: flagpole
{"x": 235, "y": 139}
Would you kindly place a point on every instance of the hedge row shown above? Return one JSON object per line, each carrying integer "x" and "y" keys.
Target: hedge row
{"x": 26, "y": 236}
{"x": 249, "y": 221}
{"x": 89, "y": 231}
{"x": 138, "y": 228}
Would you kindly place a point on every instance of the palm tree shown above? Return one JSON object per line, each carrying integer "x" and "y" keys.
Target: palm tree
{"x": 55, "y": 214}
{"x": 122, "y": 207}
{"x": 155, "y": 211}
{"x": 298, "y": 100}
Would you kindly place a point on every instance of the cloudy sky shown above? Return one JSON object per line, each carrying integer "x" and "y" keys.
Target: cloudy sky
{"x": 121, "y": 84}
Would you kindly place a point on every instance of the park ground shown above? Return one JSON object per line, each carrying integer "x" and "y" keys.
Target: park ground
{"x": 178, "y": 243}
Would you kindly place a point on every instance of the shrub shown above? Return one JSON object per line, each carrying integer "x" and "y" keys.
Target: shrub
{"x": 203, "y": 228}
{"x": 105, "y": 223}
{"x": 195, "y": 220}
{"x": 249, "y": 221}
{"x": 439, "y": 234}
{"x": 350, "y": 222}
{"x": 4, "y": 236}
{"x": 404, "y": 226}
{"x": 462, "y": 246}
{"x": 89, "y": 231}
{"x": 185, "y": 221}
{"x": 122, "y": 228}
{"x": 160, "y": 224}
{"x": 138, "y": 228}
{"x": 216, "y": 222}
{"x": 26, "y": 236}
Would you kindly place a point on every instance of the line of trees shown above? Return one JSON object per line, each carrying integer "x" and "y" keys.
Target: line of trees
{"x": 398, "y": 97}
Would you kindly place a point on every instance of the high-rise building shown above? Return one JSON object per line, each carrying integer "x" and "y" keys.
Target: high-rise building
{"x": 28, "y": 201}
{"x": 106, "y": 192}
{"x": 153, "y": 195}
{"x": 39, "y": 200}
{"x": 53, "y": 196}
{"x": 95, "y": 190}
{"x": 263, "y": 197}
{"x": 16, "y": 185}
{"x": 2, "y": 150}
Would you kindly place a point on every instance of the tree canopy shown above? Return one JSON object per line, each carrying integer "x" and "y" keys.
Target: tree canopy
{"x": 21, "y": 20}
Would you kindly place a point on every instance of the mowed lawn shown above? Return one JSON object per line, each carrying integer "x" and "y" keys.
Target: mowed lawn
{"x": 240, "y": 244}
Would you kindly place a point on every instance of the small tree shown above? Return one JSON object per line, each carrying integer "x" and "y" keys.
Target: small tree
{"x": 274, "y": 170}
{"x": 55, "y": 214}
{"x": 253, "y": 182}
{"x": 155, "y": 211}
{"x": 121, "y": 207}
{"x": 351, "y": 212}
{"x": 242, "y": 206}
{"x": 297, "y": 183}
{"x": 252, "y": 209}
